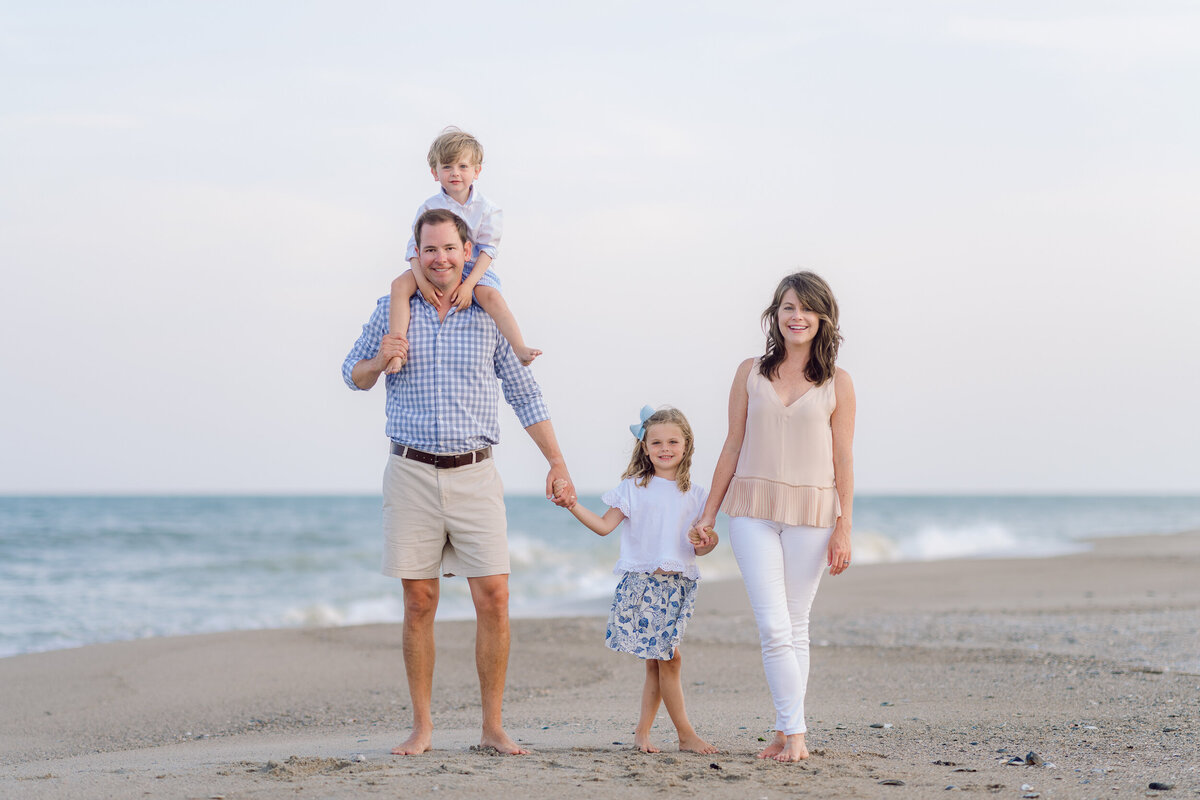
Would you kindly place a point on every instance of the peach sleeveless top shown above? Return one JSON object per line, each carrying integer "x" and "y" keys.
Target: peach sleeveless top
{"x": 785, "y": 469}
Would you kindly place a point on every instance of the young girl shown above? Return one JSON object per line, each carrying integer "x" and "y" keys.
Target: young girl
{"x": 656, "y": 596}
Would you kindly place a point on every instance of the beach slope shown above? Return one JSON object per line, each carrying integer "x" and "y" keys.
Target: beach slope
{"x": 925, "y": 676}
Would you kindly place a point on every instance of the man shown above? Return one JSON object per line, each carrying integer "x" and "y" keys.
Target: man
{"x": 442, "y": 494}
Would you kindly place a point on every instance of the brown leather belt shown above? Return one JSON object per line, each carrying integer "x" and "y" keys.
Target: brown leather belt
{"x": 440, "y": 461}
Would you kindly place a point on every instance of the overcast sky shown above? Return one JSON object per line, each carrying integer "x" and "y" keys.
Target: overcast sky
{"x": 201, "y": 202}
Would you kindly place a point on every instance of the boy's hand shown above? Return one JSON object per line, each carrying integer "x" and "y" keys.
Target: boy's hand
{"x": 426, "y": 289}
{"x": 461, "y": 297}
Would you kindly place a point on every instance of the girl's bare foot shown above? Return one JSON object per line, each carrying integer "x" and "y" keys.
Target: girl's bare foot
{"x": 642, "y": 742}
{"x": 526, "y": 355}
{"x": 417, "y": 742}
{"x": 502, "y": 743}
{"x": 694, "y": 744}
{"x": 775, "y": 747}
{"x": 794, "y": 749}
{"x": 395, "y": 365}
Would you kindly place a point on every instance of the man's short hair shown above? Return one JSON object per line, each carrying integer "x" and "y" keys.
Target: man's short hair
{"x": 436, "y": 216}
{"x": 452, "y": 143}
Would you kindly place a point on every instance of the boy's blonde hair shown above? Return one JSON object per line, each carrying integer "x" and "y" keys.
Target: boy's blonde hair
{"x": 450, "y": 144}
{"x": 640, "y": 466}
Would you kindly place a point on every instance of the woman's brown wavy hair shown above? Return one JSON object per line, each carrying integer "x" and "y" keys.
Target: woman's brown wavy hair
{"x": 814, "y": 293}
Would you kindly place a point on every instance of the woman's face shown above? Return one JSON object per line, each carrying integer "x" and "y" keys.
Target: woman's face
{"x": 798, "y": 323}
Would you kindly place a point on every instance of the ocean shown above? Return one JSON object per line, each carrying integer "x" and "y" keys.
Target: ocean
{"x": 82, "y": 570}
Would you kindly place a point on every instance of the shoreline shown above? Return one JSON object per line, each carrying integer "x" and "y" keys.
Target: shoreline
{"x": 1090, "y": 660}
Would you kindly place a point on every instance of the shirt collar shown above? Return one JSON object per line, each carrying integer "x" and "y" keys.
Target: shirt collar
{"x": 470, "y": 196}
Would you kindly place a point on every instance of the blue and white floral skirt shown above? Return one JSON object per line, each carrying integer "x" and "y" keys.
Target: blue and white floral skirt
{"x": 650, "y": 612}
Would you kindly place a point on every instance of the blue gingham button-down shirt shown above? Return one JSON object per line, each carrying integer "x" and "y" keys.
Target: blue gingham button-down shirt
{"x": 445, "y": 398}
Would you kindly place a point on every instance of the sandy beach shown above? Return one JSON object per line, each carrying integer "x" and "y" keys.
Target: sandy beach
{"x": 927, "y": 679}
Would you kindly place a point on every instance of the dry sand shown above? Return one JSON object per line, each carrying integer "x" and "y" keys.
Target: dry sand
{"x": 929, "y": 675}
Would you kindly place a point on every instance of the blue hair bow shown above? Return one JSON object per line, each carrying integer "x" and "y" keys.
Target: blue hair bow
{"x": 639, "y": 431}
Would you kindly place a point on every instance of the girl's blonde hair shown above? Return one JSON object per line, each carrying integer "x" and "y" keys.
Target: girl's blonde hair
{"x": 640, "y": 466}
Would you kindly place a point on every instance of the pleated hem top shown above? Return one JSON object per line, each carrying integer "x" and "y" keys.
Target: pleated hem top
{"x": 785, "y": 469}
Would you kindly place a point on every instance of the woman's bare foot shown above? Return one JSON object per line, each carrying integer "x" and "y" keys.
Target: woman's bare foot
{"x": 642, "y": 742}
{"x": 775, "y": 747}
{"x": 526, "y": 355}
{"x": 793, "y": 750}
{"x": 502, "y": 743}
{"x": 694, "y": 744}
{"x": 417, "y": 742}
{"x": 395, "y": 365}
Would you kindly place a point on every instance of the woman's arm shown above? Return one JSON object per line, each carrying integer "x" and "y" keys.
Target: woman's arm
{"x": 739, "y": 400}
{"x": 842, "y": 422}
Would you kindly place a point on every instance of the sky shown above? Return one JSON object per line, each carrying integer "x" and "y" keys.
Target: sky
{"x": 201, "y": 201}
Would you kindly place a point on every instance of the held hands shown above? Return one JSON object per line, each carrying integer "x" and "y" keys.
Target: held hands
{"x": 702, "y": 536}
{"x": 562, "y": 491}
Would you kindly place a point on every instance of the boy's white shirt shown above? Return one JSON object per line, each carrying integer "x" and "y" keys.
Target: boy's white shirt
{"x": 485, "y": 221}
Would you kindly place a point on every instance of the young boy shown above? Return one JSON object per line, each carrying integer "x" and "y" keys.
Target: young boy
{"x": 456, "y": 159}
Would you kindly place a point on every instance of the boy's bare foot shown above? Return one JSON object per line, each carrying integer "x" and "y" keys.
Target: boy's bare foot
{"x": 775, "y": 747}
{"x": 694, "y": 744}
{"x": 793, "y": 750}
{"x": 395, "y": 365}
{"x": 417, "y": 742}
{"x": 643, "y": 743}
{"x": 501, "y": 742}
{"x": 526, "y": 355}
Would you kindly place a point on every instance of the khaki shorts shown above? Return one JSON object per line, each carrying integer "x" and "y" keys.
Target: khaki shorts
{"x": 443, "y": 521}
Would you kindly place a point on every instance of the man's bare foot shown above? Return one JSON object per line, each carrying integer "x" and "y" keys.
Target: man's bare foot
{"x": 395, "y": 365}
{"x": 794, "y": 749}
{"x": 418, "y": 742}
{"x": 643, "y": 743}
{"x": 694, "y": 744}
{"x": 775, "y": 747}
{"x": 526, "y": 355}
{"x": 501, "y": 742}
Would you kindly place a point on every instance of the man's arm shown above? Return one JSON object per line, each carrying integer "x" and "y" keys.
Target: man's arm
{"x": 543, "y": 436}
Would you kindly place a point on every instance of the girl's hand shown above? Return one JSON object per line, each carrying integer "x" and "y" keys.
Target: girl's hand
{"x": 838, "y": 554}
{"x": 699, "y": 533}
{"x": 560, "y": 485}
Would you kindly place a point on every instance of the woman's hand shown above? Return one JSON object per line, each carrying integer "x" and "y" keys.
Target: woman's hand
{"x": 838, "y": 555}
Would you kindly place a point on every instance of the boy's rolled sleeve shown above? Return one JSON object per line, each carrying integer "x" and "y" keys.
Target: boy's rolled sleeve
{"x": 368, "y": 342}
{"x": 491, "y": 227}
{"x": 521, "y": 391}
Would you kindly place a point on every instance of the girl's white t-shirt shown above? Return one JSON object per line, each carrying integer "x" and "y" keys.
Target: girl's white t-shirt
{"x": 654, "y": 533}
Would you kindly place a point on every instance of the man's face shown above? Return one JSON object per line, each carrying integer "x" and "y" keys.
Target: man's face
{"x": 443, "y": 255}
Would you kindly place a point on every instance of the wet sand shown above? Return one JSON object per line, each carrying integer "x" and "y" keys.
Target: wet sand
{"x": 925, "y": 676}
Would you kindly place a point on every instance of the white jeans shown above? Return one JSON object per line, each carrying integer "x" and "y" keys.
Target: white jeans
{"x": 781, "y": 566}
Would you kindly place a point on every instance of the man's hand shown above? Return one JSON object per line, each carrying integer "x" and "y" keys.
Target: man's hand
{"x": 391, "y": 346}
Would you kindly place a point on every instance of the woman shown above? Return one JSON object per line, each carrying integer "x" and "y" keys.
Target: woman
{"x": 786, "y": 477}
